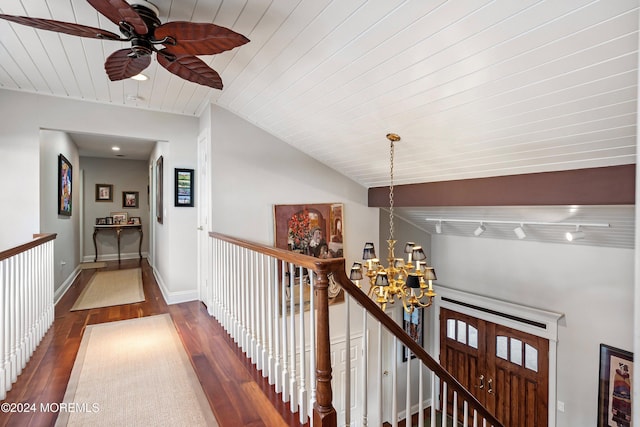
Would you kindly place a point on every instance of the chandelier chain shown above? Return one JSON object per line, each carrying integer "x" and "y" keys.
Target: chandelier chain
{"x": 391, "y": 155}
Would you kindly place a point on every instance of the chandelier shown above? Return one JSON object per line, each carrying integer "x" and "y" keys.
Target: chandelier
{"x": 410, "y": 280}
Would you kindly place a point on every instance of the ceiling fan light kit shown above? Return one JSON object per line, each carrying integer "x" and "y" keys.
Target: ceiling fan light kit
{"x": 176, "y": 44}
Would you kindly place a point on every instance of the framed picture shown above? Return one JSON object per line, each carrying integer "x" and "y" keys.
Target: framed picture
{"x": 109, "y": 220}
{"x": 134, "y": 220}
{"x": 184, "y": 187}
{"x": 129, "y": 199}
{"x": 412, "y": 325}
{"x": 104, "y": 193}
{"x": 159, "y": 189}
{"x": 119, "y": 217}
{"x": 65, "y": 180}
{"x": 614, "y": 391}
{"x": 101, "y": 221}
{"x": 316, "y": 230}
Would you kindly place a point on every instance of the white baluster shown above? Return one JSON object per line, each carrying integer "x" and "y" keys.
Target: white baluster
{"x": 302, "y": 397}
{"x": 455, "y": 408}
{"x": 285, "y": 353}
{"x": 293, "y": 381}
{"x": 276, "y": 327}
{"x": 312, "y": 339}
{"x": 347, "y": 362}
{"x": 420, "y": 395}
{"x": 264, "y": 318}
{"x": 4, "y": 377}
{"x": 380, "y": 373}
{"x": 394, "y": 383}
{"x": 434, "y": 399}
{"x": 365, "y": 370}
{"x": 465, "y": 422}
{"x": 408, "y": 392}
{"x": 443, "y": 397}
{"x": 270, "y": 282}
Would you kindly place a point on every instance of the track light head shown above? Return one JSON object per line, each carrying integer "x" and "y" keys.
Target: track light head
{"x": 439, "y": 227}
{"x": 574, "y": 235}
{"x": 481, "y": 229}
{"x": 520, "y": 232}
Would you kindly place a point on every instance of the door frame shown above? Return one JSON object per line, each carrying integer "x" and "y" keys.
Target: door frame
{"x": 531, "y": 320}
{"x": 204, "y": 214}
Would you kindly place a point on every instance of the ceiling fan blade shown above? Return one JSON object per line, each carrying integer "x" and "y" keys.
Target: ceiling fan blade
{"x": 119, "y": 10}
{"x": 198, "y": 39}
{"x": 121, "y": 65}
{"x": 191, "y": 68}
{"x": 62, "y": 27}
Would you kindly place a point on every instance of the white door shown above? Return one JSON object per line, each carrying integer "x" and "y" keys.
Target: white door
{"x": 203, "y": 206}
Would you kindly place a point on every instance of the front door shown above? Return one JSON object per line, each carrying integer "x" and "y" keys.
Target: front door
{"x": 505, "y": 369}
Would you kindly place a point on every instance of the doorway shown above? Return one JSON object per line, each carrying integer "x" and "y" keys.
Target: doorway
{"x": 505, "y": 369}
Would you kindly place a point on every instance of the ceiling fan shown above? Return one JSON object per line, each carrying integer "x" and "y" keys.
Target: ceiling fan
{"x": 175, "y": 43}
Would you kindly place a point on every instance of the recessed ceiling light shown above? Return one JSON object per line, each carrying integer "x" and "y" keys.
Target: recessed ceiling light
{"x": 140, "y": 77}
{"x": 115, "y": 148}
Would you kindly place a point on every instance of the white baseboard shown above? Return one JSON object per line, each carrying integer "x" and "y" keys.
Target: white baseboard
{"x": 174, "y": 297}
{"x": 59, "y": 293}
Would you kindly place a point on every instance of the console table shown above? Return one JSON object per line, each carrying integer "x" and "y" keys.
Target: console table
{"x": 118, "y": 229}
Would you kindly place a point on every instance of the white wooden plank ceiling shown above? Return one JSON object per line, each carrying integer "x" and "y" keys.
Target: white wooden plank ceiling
{"x": 475, "y": 88}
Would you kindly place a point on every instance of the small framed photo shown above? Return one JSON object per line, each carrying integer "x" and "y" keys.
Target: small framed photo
{"x": 615, "y": 387}
{"x": 119, "y": 217}
{"x": 412, "y": 325}
{"x": 184, "y": 187}
{"x": 101, "y": 221}
{"x": 135, "y": 220}
{"x": 104, "y": 192}
{"x": 109, "y": 220}
{"x": 129, "y": 199}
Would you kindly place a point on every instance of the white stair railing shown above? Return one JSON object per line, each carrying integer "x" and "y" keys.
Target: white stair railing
{"x": 26, "y": 304}
{"x": 259, "y": 298}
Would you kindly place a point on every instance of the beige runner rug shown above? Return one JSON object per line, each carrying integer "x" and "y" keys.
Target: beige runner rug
{"x": 107, "y": 288}
{"x": 134, "y": 373}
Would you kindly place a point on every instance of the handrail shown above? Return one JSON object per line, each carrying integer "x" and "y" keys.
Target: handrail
{"x": 38, "y": 239}
{"x": 337, "y": 267}
{"x": 395, "y": 329}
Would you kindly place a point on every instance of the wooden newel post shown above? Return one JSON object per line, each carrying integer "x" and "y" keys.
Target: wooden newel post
{"x": 324, "y": 414}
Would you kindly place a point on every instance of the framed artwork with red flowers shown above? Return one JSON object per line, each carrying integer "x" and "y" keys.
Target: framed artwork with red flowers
{"x": 316, "y": 230}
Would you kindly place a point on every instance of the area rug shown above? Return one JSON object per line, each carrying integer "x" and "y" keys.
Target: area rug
{"x": 134, "y": 373}
{"x": 89, "y": 265}
{"x": 107, "y": 288}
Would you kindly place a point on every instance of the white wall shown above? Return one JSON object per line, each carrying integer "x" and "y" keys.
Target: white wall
{"x": 591, "y": 286}
{"x": 26, "y": 114}
{"x": 67, "y": 244}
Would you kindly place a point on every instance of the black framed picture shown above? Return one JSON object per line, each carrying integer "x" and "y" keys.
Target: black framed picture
{"x": 65, "y": 180}
{"x": 129, "y": 199}
{"x": 412, "y": 324}
{"x": 615, "y": 387}
{"x": 159, "y": 189}
{"x": 184, "y": 187}
{"x": 104, "y": 192}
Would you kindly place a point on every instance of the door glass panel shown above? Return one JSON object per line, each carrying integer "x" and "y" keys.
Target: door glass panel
{"x": 530, "y": 358}
{"x": 451, "y": 329}
{"x": 516, "y": 351}
{"x": 462, "y": 332}
{"x": 501, "y": 347}
{"x": 473, "y": 337}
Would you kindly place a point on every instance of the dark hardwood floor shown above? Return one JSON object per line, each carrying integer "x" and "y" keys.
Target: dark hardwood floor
{"x": 237, "y": 393}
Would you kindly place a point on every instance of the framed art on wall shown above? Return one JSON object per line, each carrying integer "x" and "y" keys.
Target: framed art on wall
{"x": 129, "y": 199}
{"x": 315, "y": 230}
{"x": 615, "y": 390}
{"x": 412, "y": 325}
{"x": 184, "y": 187}
{"x": 104, "y": 192}
{"x": 65, "y": 180}
{"x": 159, "y": 189}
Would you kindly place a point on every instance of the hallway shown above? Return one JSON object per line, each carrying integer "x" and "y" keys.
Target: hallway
{"x": 236, "y": 392}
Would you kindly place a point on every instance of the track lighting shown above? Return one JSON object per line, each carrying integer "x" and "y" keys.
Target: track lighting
{"x": 439, "y": 228}
{"x": 575, "y": 235}
{"x": 520, "y": 232}
{"x": 481, "y": 229}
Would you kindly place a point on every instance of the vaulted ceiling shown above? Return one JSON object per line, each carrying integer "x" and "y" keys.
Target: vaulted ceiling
{"x": 475, "y": 88}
